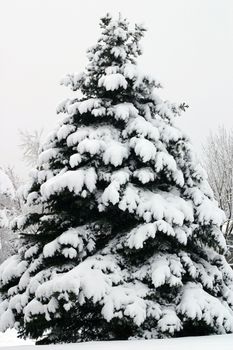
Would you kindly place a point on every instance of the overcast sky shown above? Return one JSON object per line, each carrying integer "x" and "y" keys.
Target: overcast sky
{"x": 188, "y": 47}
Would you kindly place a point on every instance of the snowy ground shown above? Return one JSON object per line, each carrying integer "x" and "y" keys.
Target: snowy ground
{"x": 223, "y": 342}
{"x": 9, "y": 338}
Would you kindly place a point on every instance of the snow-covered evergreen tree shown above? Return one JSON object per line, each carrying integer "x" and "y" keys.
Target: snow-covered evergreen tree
{"x": 122, "y": 233}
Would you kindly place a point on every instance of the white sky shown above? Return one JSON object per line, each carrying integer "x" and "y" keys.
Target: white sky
{"x": 188, "y": 47}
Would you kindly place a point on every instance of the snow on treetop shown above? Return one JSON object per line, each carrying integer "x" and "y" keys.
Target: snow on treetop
{"x": 113, "y": 81}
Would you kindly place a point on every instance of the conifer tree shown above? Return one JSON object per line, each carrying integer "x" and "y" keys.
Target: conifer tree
{"x": 121, "y": 239}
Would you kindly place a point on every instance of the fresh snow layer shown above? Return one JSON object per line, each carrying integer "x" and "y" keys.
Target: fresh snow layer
{"x": 216, "y": 342}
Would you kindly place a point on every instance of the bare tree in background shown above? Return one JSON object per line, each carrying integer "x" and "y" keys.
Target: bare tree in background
{"x": 218, "y": 161}
{"x": 9, "y": 208}
{"x": 11, "y": 205}
{"x": 13, "y": 176}
{"x": 30, "y": 144}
